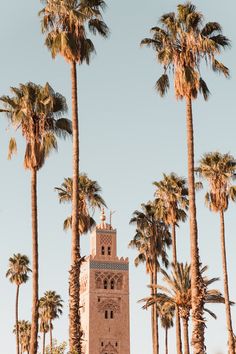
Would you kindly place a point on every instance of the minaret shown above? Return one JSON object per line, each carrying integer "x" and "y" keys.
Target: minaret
{"x": 105, "y": 295}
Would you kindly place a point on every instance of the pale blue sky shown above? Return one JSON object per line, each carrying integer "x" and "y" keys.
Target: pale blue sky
{"x": 129, "y": 136}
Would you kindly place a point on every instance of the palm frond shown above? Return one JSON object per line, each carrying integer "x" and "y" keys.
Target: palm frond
{"x": 211, "y": 281}
{"x": 12, "y": 148}
{"x": 67, "y": 223}
{"x": 210, "y": 313}
{"x": 193, "y": 20}
{"x": 220, "y": 68}
{"x": 49, "y": 143}
{"x": 204, "y": 89}
{"x": 208, "y": 200}
{"x": 97, "y": 26}
{"x": 149, "y": 42}
{"x": 63, "y": 127}
{"x": 162, "y": 85}
{"x": 220, "y": 41}
{"x": 139, "y": 259}
{"x": 211, "y": 27}
{"x": 232, "y": 193}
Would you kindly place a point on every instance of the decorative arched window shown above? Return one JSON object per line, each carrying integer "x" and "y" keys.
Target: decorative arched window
{"x": 111, "y": 314}
{"x": 103, "y": 250}
{"x": 112, "y": 284}
{"x": 106, "y": 314}
{"x": 98, "y": 283}
{"x": 119, "y": 285}
{"x": 109, "y": 250}
{"x": 105, "y": 284}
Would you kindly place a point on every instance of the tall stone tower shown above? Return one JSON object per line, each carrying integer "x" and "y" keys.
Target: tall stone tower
{"x": 105, "y": 295}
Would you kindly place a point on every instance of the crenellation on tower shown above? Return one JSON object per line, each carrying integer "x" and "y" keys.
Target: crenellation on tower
{"x": 105, "y": 295}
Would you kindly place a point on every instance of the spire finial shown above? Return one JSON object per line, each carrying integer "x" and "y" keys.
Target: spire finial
{"x": 103, "y": 216}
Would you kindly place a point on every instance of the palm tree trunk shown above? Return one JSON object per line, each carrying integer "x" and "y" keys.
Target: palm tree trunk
{"x": 50, "y": 332}
{"x": 186, "y": 339}
{"x": 197, "y": 288}
{"x": 74, "y": 282}
{"x": 177, "y": 318}
{"x": 34, "y": 322}
{"x": 166, "y": 340}
{"x": 226, "y": 286}
{"x": 152, "y": 314}
{"x": 44, "y": 337}
{"x": 174, "y": 248}
{"x": 155, "y": 314}
{"x": 178, "y": 331}
{"x": 17, "y": 327}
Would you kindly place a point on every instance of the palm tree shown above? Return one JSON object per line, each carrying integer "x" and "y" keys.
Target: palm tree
{"x": 50, "y": 307}
{"x": 24, "y": 328}
{"x": 57, "y": 348}
{"x": 65, "y": 24}
{"x": 18, "y": 273}
{"x": 36, "y": 111}
{"x": 220, "y": 170}
{"x": 151, "y": 240}
{"x": 177, "y": 292}
{"x": 181, "y": 44}
{"x": 172, "y": 192}
{"x": 89, "y": 200}
{"x": 166, "y": 313}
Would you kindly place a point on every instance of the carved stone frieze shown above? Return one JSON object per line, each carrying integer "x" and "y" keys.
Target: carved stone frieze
{"x": 105, "y": 240}
{"x": 109, "y": 280}
{"x": 109, "y": 304}
{"x": 109, "y": 349}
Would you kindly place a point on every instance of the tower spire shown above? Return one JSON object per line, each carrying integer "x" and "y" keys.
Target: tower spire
{"x": 103, "y": 217}
{"x": 103, "y": 225}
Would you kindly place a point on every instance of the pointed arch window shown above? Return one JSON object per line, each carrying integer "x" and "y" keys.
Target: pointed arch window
{"x": 103, "y": 250}
{"x": 105, "y": 284}
{"x": 109, "y": 250}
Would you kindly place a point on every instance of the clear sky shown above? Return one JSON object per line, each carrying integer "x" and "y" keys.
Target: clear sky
{"x": 129, "y": 136}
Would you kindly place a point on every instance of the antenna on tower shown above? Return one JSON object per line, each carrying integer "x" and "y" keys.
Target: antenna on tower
{"x": 111, "y": 213}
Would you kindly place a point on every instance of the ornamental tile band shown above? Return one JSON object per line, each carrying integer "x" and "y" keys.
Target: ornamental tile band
{"x": 106, "y": 265}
